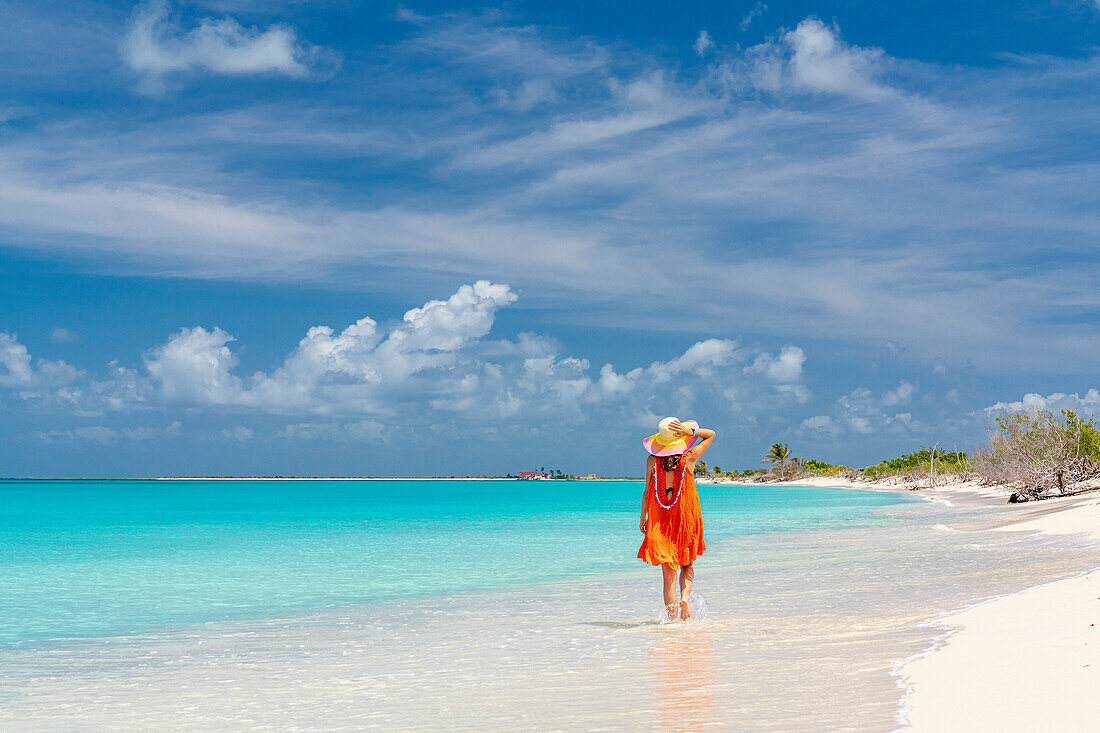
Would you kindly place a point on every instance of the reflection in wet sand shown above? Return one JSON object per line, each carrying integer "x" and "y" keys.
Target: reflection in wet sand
{"x": 686, "y": 674}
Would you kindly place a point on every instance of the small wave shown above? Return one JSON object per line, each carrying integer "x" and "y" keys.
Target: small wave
{"x": 697, "y": 605}
{"x": 943, "y": 528}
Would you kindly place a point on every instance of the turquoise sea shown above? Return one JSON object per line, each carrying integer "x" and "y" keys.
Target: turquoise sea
{"x": 96, "y": 558}
{"x": 480, "y": 605}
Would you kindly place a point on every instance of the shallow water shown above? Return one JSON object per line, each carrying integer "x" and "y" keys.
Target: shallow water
{"x": 803, "y": 631}
{"x": 91, "y": 558}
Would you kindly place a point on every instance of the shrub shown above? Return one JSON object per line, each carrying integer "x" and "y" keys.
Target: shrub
{"x": 919, "y": 464}
{"x": 821, "y": 468}
{"x": 1040, "y": 451}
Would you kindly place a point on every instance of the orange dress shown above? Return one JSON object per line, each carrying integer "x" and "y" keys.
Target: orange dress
{"x": 672, "y": 535}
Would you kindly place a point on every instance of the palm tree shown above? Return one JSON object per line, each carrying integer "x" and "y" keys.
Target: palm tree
{"x": 701, "y": 468}
{"x": 777, "y": 455}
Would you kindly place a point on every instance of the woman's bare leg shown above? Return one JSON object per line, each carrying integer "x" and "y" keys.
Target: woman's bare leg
{"x": 668, "y": 573}
{"x": 687, "y": 575}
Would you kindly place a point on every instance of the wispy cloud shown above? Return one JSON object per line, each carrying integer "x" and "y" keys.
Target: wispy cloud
{"x": 703, "y": 43}
{"x": 861, "y": 412}
{"x": 105, "y": 435}
{"x": 62, "y": 335}
{"x": 757, "y": 11}
{"x": 487, "y": 42}
{"x": 813, "y": 188}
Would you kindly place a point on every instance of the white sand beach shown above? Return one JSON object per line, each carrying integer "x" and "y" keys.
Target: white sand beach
{"x": 1027, "y": 662}
{"x": 1023, "y": 662}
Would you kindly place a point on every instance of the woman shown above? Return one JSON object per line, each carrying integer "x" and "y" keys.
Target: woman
{"x": 672, "y": 521}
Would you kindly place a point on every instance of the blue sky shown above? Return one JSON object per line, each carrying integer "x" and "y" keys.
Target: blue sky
{"x": 343, "y": 238}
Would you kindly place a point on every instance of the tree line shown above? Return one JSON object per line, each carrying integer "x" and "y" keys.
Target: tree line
{"x": 1035, "y": 453}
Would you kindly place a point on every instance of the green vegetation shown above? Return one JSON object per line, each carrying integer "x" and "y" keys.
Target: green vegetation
{"x": 1040, "y": 452}
{"x": 719, "y": 473}
{"x": 821, "y": 468}
{"x": 931, "y": 461}
{"x": 922, "y": 463}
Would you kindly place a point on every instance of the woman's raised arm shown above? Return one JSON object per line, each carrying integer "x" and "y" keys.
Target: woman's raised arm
{"x": 678, "y": 428}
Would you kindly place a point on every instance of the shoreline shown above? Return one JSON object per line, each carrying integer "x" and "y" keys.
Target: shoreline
{"x": 971, "y": 489}
{"x": 977, "y": 673}
{"x": 1021, "y": 661}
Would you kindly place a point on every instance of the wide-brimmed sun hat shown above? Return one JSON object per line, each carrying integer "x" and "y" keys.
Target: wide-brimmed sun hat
{"x": 664, "y": 443}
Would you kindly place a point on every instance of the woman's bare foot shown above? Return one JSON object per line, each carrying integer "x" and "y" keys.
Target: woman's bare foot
{"x": 670, "y": 609}
{"x": 685, "y": 613}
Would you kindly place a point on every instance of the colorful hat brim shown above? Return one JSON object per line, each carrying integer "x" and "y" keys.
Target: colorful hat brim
{"x": 657, "y": 446}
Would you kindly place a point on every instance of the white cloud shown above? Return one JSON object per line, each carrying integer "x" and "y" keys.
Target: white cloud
{"x": 862, "y": 413}
{"x": 47, "y": 380}
{"x": 96, "y": 433}
{"x": 358, "y": 431}
{"x": 703, "y": 43}
{"x": 576, "y": 202}
{"x": 785, "y": 369}
{"x": 441, "y": 325}
{"x": 239, "y": 433}
{"x": 812, "y": 58}
{"x": 757, "y": 11}
{"x": 637, "y": 106}
{"x": 105, "y": 435}
{"x": 820, "y": 424}
{"x": 482, "y": 41}
{"x": 63, "y": 336}
{"x": 194, "y": 367}
{"x": 702, "y": 357}
{"x": 821, "y": 62}
{"x": 436, "y": 364}
{"x": 16, "y": 361}
{"x": 357, "y": 369}
{"x": 156, "y": 47}
{"x": 902, "y": 395}
{"x": 1088, "y": 404}
{"x": 530, "y": 94}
